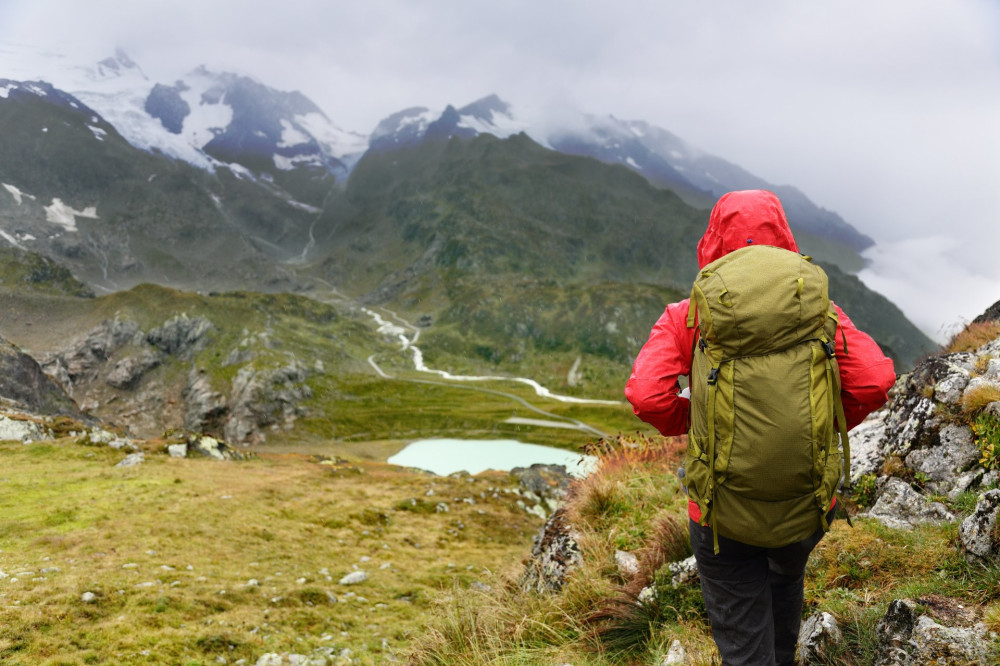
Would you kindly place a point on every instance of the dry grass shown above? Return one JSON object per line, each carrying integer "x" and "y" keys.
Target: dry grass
{"x": 974, "y": 400}
{"x": 193, "y": 560}
{"x": 973, "y": 337}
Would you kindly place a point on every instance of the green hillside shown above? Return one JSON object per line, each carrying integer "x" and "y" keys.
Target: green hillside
{"x": 521, "y": 249}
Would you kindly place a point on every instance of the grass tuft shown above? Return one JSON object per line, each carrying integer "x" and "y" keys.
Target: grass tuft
{"x": 973, "y": 337}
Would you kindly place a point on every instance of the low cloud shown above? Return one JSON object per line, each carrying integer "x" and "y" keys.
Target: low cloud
{"x": 939, "y": 282}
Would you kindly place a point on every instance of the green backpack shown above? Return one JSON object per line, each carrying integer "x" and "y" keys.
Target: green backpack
{"x": 762, "y": 460}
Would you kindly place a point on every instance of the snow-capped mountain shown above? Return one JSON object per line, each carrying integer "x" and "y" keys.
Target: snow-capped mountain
{"x": 489, "y": 115}
{"x": 660, "y": 156}
{"x": 206, "y": 119}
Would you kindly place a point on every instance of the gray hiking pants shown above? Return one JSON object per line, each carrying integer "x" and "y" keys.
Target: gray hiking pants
{"x": 753, "y": 596}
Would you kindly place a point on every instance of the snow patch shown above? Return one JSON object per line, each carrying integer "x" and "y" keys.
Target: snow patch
{"x": 10, "y": 239}
{"x": 206, "y": 119}
{"x": 65, "y": 216}
{"x": 16, "y": 193}
{"x": 632, "y": 163}
{"x": 5, "y": 91}
{"x": 240, "y": 171}
{"x": 676, "y": 154}
{"x": 500, "y": 125}
{"x": 99, "y": 134}
{"x": 289, "y": 163}
{"x": 291, "y": 135}
{"x": 303, "y": 206}
{"x": 333, "y": 140}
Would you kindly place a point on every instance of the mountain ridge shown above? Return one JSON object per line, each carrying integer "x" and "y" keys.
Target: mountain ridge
{"x": 463, "y": 195}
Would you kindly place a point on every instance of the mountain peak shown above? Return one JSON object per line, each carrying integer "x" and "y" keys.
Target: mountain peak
{"x": 117, "y": 65}
{"x": 486, "y": 108}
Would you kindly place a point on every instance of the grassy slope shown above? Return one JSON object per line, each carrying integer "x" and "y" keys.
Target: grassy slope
{"x": 169, "y": 549}
{"x": 633, "y": 502}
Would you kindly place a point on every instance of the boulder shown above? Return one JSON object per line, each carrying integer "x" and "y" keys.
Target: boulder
{"x": 978, "y": 533}
{"x": 900, "y": 506}
{"x": 684, "y": 572}
{"x": 627, "y": 563}
{"x": 952, "y": 451}
{"x": 132, "y": 459}
{"x": 546, "y": 484}
{"x": 937, "y": 644}
{"x": 816, "y": 635}
{"x": 354, "y": 578}
{"x": 913, "y": 417}
{"x": 978, "y": 383}
{"x": 15, "y": 430}
{"x": 676, "y": 654}
{"x": 894, "y": 632}
{"x": 904, "y": 638}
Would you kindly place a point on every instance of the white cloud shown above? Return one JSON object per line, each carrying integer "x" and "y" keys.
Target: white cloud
{"x": 941, "y": 282}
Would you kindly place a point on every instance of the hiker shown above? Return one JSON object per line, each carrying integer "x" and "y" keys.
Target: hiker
{"x": 765, "y": 351}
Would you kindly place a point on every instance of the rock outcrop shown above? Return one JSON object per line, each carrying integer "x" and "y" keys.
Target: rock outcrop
{"x": 902, "y": 507}
{"x": 543, "y": 487}
{"x": 554, "y": 555}
{"x": 923, "y": 431}
{"x": 906, "y": 638}
{"x": 114, "y": 371}
{"x": 978, "y": 533}
{"x": 23, "y": 385}
{"x": 817, "y": 635}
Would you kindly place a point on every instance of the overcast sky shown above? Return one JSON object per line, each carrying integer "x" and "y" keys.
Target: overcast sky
{"x": 887, "y": 112}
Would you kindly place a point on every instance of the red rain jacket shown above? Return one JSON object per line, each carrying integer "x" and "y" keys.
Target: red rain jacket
{"x": 739, "y": 219}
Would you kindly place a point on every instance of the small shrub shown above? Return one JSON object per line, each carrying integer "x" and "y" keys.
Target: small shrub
{"x": 864, "y": 490}
{"x": 371, "y": 517}
{"x": 987, "y": 433}
{"x": 973, "y": 337}
{"x": 682, "y": 601}
{"x": 894, "y": 466}
{"x": 415, "y": 505}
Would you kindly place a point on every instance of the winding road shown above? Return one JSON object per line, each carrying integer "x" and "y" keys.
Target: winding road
{"x": 399, "y": 331}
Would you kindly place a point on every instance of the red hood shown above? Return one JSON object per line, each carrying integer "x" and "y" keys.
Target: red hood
{"x": 748, "y": 217}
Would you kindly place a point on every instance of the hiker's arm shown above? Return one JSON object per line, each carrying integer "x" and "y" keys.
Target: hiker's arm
{"x": 653, "y": 387}
{"x": 866, "y": 375}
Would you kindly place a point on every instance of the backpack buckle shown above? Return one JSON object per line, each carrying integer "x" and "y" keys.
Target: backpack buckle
{"x": 713, "y": 377}
{"x": 829, "y": 348}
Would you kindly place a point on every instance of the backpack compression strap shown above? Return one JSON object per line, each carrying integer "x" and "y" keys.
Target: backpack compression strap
{"x": 833, "y": 381}
{"x": 699, "y": 308}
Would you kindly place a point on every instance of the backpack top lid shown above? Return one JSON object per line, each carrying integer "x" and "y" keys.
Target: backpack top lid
{"x": 758, "y": 300}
